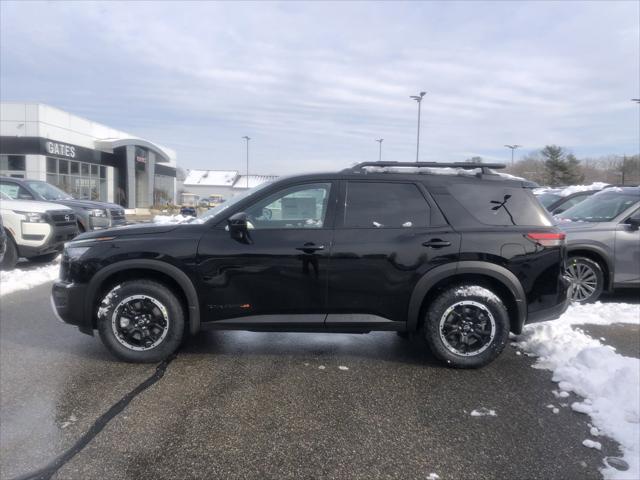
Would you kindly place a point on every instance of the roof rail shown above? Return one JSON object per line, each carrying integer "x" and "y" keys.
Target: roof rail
{"x": 360, "y": 167}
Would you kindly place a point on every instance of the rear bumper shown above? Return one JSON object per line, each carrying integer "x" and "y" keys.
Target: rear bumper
{"x": 67, "y": 301}
{"x": 548, "y": 313}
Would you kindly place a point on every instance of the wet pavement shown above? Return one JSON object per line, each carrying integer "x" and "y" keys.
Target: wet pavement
{"x": 274, "y": 405}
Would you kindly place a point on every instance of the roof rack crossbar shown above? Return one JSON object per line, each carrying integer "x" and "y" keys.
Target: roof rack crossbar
{"x": 464, "y": 165}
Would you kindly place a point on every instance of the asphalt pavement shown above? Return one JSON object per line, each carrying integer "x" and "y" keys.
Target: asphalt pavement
{"x": 274, "y": 405}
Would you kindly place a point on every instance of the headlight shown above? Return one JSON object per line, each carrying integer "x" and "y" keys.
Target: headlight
{"x": 96, "y": 212}
{"x": 33, "y": 217}
{"x": 73, "y": 253}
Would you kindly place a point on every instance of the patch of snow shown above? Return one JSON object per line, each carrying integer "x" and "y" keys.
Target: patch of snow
{"x": 483, "y": 412}
{"x": 561, "y": 394}
{"x": 23, "y": 277}
{"x": 106, "y": 302}
{"x": 556, "y": 410}
{"x": 565, "y": 192}
{"x": 591, "y": 444}
{"x": 167, "y": 219}
{"x": 594, "y": 432}
{"x": 433, "y": 476}
{"x": 322, "y": 367}
{"x": 342, "y": 367}
{"x": 606, "y": 380}
{"x": 477, "y": 291}
{"x": 581, "y": 407}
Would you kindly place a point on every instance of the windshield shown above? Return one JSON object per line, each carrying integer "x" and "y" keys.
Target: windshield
{"x": 547, "y": 199}
{"x": 48, "y": 192}
{"x": 229, "y": 203}
{"x": 600, "y": 208}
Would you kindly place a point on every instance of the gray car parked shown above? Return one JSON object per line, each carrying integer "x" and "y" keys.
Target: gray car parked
{"x": 603, "y": 243}
{"x": 90, "y": 214}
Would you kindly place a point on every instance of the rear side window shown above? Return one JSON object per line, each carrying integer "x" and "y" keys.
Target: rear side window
{"x": 496, "y": 205}
{"x": 385, "y": 205}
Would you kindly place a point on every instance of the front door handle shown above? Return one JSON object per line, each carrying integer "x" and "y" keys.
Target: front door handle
{"x": 436, "y": 243}
{"x": 310, "y": 247}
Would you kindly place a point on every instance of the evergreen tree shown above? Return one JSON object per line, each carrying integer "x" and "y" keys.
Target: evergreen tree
{"x": 561, "y": 167}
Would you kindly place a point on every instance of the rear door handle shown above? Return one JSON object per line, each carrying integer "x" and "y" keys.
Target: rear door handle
{"x": 310, "y": 247}
{"x": 436, "y": 243}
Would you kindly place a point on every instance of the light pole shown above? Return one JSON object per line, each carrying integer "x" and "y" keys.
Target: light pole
{"x": 512, "y": 147}
{"x": 380, "y": 140}
{"x": 418, "y": 98}
{"x": 247, "y": 139}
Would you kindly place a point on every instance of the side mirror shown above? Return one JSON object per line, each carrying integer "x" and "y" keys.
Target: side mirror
{"x": 238, "y": 225}
{"x": 634, "y": 222}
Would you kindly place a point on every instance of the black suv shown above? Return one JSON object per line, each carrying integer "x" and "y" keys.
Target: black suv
{"x": 461, "y": 255}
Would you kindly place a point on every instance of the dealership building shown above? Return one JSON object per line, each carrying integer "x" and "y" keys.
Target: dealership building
{"x": 84, "y": 158}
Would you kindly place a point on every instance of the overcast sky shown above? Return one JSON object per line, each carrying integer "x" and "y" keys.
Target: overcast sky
{"x": 314, "y": 84}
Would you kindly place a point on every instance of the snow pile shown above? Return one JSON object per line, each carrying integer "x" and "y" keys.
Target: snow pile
{"x": 566, "y": 191}
{"x": 582, "y": 188}
{"x": 608, "y": 381}
{"x": 23, "y": 277}
{"x": 165, "y": 219}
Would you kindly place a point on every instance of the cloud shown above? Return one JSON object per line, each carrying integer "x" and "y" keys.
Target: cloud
{"x": 314, "y": 84}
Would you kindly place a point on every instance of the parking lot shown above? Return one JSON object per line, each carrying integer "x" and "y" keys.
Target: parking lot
{"x": 274, "y": 405}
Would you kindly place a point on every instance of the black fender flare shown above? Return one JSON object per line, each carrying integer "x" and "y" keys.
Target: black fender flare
{"x": 497, "y": 272}
{"x": 172, "y": 271}
{"x": 600, "y": 252}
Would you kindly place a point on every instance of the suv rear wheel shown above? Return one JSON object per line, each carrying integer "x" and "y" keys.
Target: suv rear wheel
{"x": 141, "y": 321}
{"x": 587, "y": 279}
{"x": 467, "y": 326}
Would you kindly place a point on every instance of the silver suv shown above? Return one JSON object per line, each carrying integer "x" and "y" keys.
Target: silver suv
{"x": 603, "y": 243}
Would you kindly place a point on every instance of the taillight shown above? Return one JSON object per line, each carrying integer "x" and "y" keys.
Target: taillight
{"x": 547, "y": 239}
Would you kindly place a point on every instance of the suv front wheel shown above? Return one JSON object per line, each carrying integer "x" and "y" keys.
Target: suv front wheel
{"x": 467, "y": 326}
{"x": 141, "y": 321}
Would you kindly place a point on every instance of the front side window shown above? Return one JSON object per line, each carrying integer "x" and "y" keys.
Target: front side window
{"x": 302, "y": 206}
{"x": 15, "y": 191}
{"x": 385, "y": 205}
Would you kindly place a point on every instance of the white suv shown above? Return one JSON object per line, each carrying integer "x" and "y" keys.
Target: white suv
{"x": 35, "y": 230}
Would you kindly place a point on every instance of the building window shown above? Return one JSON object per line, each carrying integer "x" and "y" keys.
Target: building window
{"x": 162, "y": 190}
{"x": 13, "y": 165}
{"x": 84, "y": 181}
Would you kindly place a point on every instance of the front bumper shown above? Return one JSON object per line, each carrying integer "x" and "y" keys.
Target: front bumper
{"x": 68, "y": 302}
{"x": 54, "y": 238}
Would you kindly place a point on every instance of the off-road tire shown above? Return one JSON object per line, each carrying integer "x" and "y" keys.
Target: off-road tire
{"x": 153, "y": 290}
{"x": 482, "y": 298}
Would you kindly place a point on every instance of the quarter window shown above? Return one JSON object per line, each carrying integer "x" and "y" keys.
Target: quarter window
{"x": 302, "y": 206}
{"x": 385, "y": 205}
